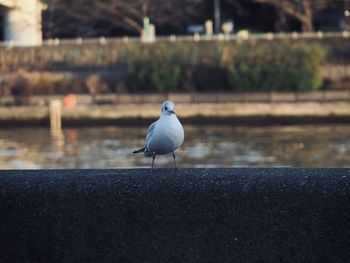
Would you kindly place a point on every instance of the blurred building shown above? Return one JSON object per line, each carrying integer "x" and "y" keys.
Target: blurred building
{"x": 20, "y": 22}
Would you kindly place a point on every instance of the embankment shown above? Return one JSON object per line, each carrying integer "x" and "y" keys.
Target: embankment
{"x": 199, "y": 113}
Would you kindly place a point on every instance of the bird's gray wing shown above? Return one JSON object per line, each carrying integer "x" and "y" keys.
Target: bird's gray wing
{"x": 150, "y": 132}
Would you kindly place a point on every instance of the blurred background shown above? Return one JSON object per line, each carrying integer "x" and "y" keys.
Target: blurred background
{"x": 255, "y": 82}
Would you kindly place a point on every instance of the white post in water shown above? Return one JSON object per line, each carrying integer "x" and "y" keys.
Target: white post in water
{"x": 56, "y": 117}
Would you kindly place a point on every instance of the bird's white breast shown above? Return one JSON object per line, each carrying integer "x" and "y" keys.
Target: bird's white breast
{"x": 167, "y": 136}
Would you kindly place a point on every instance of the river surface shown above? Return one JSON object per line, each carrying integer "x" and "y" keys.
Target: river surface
{"x": 204, "y": 146}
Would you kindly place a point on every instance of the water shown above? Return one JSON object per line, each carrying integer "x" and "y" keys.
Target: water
{"x": 205, "y": 146}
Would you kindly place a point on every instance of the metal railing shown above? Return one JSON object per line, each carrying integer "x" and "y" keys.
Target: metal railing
{"x": 197, "y": 37}
{"x": 240, "y": 36}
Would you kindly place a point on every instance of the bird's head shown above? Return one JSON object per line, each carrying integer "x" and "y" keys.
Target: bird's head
{"x": 168, "y": 107}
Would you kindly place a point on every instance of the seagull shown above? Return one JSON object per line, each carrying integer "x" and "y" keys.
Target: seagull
{"x": 164, "y": 135}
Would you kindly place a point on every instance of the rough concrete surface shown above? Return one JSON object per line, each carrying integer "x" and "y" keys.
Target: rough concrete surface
{"x": 191, "y": 215}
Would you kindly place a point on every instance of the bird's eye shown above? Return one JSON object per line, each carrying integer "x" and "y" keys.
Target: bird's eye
{"x": 166, "y": 108}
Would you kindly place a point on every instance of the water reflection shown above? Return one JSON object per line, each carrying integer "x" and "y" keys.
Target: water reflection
{"x": 205, "y": 146}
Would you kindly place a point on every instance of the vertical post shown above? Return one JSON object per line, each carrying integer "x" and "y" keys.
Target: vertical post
{"x": 56, "y": 117}
{"x": 148, "y": 31}
{"x": 217, "y": 16}
{"x": 145, "y": 31}
{"x": 346, "y": 14}
{"x": 208, "y": 28}
{"x": 152, "y": 33}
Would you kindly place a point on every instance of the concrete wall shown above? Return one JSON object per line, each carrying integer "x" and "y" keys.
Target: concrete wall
{"x": 22, "y": 22}
{"x": 191, "y": 215}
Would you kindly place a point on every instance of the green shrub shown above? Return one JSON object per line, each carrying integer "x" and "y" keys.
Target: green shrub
{"x": 154, "y": 75}
{"x": 241, "y": 67}
{"x": 279, "y": 67}
{"x": 157, "y": 69}
{"x": 165, "y": 67}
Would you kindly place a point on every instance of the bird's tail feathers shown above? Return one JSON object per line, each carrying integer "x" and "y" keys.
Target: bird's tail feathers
{"x": 140, "y": 150}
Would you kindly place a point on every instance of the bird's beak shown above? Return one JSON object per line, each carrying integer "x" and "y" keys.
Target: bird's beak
{"x": 172, "y": 111}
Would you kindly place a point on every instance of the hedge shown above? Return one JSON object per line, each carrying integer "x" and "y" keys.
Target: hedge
{"x": 165, "y": 67}
{"x": 276, "y": 67}
{"x": 241, "y": 67}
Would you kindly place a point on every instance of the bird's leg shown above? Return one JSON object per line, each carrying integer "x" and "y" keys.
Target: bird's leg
{"x": 154, "y": 157}
{"x": 175, "y": 166}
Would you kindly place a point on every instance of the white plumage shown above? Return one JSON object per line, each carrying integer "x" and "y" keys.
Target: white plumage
{"x": 164, "y": 135}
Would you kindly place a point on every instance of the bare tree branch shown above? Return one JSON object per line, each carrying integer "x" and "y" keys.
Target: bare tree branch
{"x": 302, "y": 10}
{"x": 123, "y": 14}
